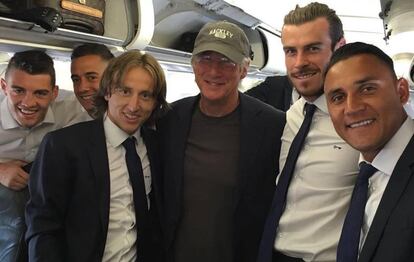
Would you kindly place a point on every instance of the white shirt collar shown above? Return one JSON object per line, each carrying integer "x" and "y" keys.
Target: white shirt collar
{"x": 386, "y": 160}
{"x": 115, "y": 135}
{"x": 320, "y": 103}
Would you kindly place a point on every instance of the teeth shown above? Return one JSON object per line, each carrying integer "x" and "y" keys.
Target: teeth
{"x": 213, "y": 83}
{"x": 304, "y": 75}
{"x": 362, "y": 123}
{"x": 131, "y": 117}
{"x": 27, "y": 112}
{"x": 87, "y": 97}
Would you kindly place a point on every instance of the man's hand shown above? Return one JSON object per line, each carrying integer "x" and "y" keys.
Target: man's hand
{"x": 12, "y": 175}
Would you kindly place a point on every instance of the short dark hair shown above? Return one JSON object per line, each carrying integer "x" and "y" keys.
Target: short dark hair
{"x": 92, "y": 49}
{"x": 311, "y": 12}
{"x": 359, "y": 48}
{"x": 34, "y": 62}
{"x": 117, "y": 69}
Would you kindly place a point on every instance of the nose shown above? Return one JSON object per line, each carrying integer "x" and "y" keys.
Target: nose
{"x": 82, "y": 85}
{"x": 353, "y": 105}
{"x": 28, "y": 100}
{"x": 301, "y": 59}
{"x": 133, "y": 103}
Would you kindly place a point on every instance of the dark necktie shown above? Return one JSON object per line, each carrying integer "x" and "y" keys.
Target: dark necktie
{"x": 279, "y": 198}
{"x": 136, "y": 177}
{"x": 349, "y": 242}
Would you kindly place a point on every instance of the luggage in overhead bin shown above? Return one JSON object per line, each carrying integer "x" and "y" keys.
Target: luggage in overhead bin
{"x": 79, "y": 15}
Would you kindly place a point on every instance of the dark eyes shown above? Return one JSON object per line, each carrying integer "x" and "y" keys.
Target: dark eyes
{"x": 337, "y": 98}
{"x": 92, "y": 78}
{"x": 37, "y": 93}
{"x": 127, "y": 92}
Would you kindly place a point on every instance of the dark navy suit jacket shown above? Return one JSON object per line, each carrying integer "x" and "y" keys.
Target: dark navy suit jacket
{"x": 68, "y": 212}
{"x": 391, "y": 235}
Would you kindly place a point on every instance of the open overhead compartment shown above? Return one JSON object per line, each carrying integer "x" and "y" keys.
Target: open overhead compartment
{"x": 165, "y": 28}
{"x": 126, "y": 26}
{"x": 398, "y": 23}
{"x": 177, "y": 23}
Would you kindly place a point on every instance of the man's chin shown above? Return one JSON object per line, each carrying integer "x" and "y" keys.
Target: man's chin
{"x": 28, "y": 123}
{"x": 309, "y": 91}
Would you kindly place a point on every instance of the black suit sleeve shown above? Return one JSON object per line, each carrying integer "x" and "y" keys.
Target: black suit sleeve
{"x": 49, "y": 197}
{"x": 275, "y": 91}
{"x": 261, "y": 91}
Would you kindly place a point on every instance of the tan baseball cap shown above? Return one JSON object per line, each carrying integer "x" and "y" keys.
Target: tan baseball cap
{"x": 225, "y": 38}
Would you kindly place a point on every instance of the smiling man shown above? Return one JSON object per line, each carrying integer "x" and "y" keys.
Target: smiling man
{"x": 220, "y": 152}
{"x": 29, "y": 88}
{"x": 88, "y": 64}
{"x": 28, "y": 112}
{"x": 365, "y": 99}
{"x": 95, "y": 186}
{"x": 318, "y": 169}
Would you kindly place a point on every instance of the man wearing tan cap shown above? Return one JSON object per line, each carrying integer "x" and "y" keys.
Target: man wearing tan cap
{"x": 220, "y": 151}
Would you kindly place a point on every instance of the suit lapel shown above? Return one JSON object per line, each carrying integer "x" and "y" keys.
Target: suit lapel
{"x": 179, "y": 127}
{"x": 149, "y": 138}
{"x": 395, "y": 188}
{"x": 97, "y": 152}
{"x": 251, "y": 131}
{"x": 287, "y": 93}
{"x": 151, "y": 145}
{"x": 185, "y": 114}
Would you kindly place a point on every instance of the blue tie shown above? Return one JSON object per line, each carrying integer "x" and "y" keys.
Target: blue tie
{"x": 279, "y": 198}
{"x": 136, "y": 177}
{"x": 349, "y": 241}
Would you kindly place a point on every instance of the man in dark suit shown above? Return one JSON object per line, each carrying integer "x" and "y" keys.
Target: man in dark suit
{"x": 89, "y": 200}
{"x": 275, "y": 91}
{"x": 220, "y": 152}
{"x": 365, "y": 100}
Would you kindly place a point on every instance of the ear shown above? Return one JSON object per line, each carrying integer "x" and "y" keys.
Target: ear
{"x": 107, "y": 96}
{"x": 403, "y": 90}
{"x": 340, "y": 43}
{"x": 55, "y": 91}
{"x": 244, "y": 68}
{"x": 4, "y": 86}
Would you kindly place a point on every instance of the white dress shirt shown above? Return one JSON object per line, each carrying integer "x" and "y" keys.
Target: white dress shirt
{"x": 320, "y": 189}
{"x": 385, "y": 162}
{"x": 122, "y": 230}
{"x": 18, "y": 143}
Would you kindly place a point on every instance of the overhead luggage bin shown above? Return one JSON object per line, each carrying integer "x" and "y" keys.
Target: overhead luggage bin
{"x": 165, "y": 28}
{"x": 398, "y": 24}
{"x": 178, "y": 21}
{"x": 128, "y": 24}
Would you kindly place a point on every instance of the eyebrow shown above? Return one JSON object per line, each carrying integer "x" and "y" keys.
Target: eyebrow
{"x": 306, "y": 46}
{"x": 334, "y": 91}
{"x": 365, "y": 79}
{"x": 37, "y": 90}
{"x": 358, "y": 82}
{"x": 17, "y": 87}
{"x": 87, "y": 73}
